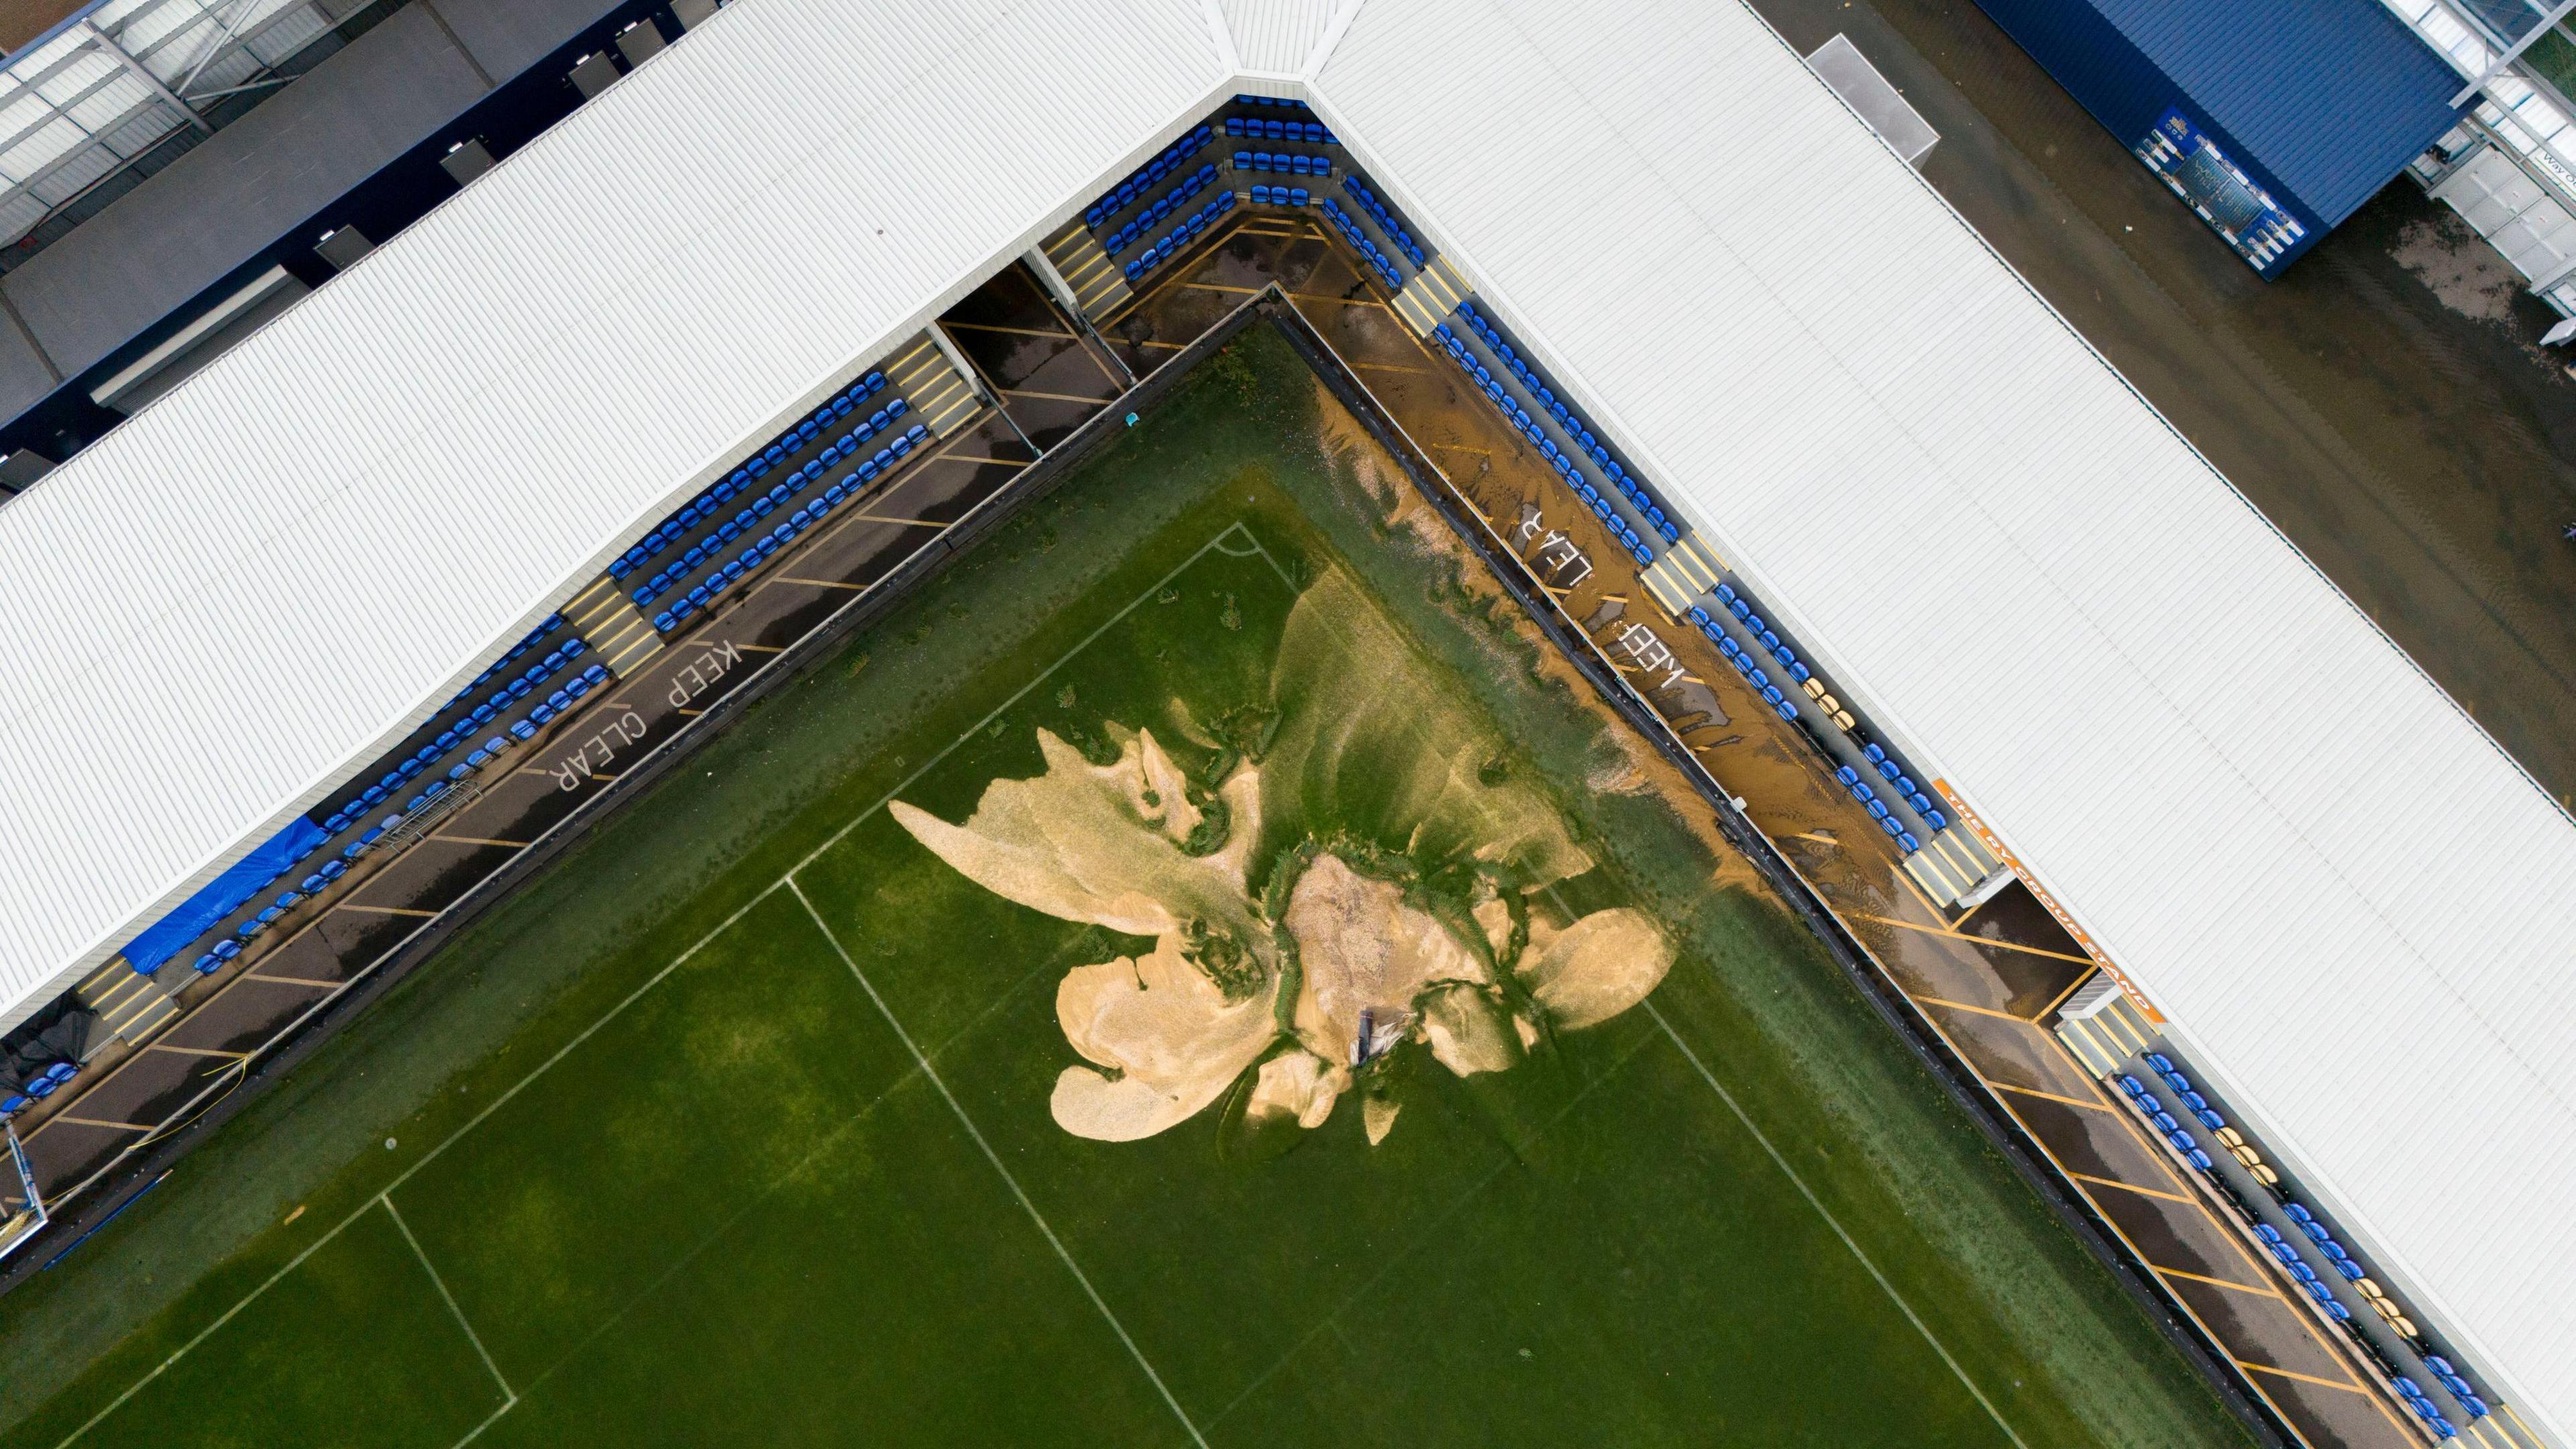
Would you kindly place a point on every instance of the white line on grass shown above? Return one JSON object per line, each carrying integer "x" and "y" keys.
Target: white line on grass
{"x": 744, "y": 1208}
{"x": 209, "y": 1330}
{"x": 995, "y": 1158}
{"x": 507, "y": 1393}
{"x": 1818, "y": 1204}
{"x": 1041, "y": 677}
{"x": 452, "y": 1139}
{"x": 489, "y": 1420}
{"x": 1212, "y": 545}
{"x": 1512, "y": 1157}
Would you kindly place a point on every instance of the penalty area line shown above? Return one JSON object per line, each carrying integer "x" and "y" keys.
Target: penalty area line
{"x": 1023, "y": 692}
{"x": 509, "y": 1395}
{"x": 386, "y": 1195}
{"x": 995, "y": 1158}
{"x": 788, "y": 880}
{"x": 1832, "y": 1222}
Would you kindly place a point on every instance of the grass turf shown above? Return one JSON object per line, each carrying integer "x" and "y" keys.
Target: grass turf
{"x": 696, "y": 1188}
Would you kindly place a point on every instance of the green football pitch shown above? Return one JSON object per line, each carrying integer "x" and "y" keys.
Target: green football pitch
{"x": 768, "y": 1158}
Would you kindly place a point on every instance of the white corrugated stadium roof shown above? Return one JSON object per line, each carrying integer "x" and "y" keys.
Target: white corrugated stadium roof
{"x": 2286, "y": 835}
{"x": 283, "y": 566}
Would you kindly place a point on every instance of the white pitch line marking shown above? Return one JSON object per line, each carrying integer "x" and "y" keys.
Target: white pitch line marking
{"x": 1213, "y": 544}
{"x": 1818, "y": 1204}
{"x": 509, "y": 1395}
{"x": 1008, "y": 1179}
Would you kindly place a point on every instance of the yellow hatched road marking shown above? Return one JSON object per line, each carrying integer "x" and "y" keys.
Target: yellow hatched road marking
{"x": 2070, "y": 990}
{"x": 2050, "y": 1096}
{"x": 1974, "y": 940}
{"x": 69, "y": 1120}
{"x": 304, "y": 981}
{"x": 2265, "y": 1368}
{"x": 1014, "y": 331}
{"x": 2132, "y": 1187}
{"x": 2257, "y": 1291}
{"x": 1979, "y": 1010}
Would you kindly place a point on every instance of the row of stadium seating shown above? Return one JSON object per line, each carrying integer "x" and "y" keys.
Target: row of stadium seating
{"x": 671, "y": 532}
{"x": 2338, "y": 1258}
{"x": 697, "y": 534}
{"x": 885, "y": 423}
{"x": 1281, "y": 196}
{"x": 1577, "y": 429}
{"x": 1364, "y": 244}
{"x": 427, "y": 761}
{"x": 475, "y": 760}
{"x": 1395, "y": 232}
{"x": 430, "y": 760}
{"x": 1160, "y": 209}
{"x": 1747, "y": 665}
{"x": 1178, "y": 239}
{"x": 530, "y": 640}
{"x": 485, "y": 713}
{"x": 760, "y": 548}
{"x": 37, "y": 1088}
{"x": 1289, "y": 161}
{"x": 1903, "y": 792}
{"x": 1569, "y": 464}
{"x": 1573, "y": 475}
{"x": 1263, "y": 128}
{"x": 1772, "y": 644}
{"x": 1140, "y": 186}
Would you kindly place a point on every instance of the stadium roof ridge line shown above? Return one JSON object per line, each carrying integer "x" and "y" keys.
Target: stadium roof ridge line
{"x": 2009, "y": 558}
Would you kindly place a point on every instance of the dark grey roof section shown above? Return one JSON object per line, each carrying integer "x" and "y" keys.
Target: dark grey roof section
{"x": 24, "y": 373}
{"x": 181, "y": 231}
{"x": 508, "y": 36}
{"x": 218, "y": 206}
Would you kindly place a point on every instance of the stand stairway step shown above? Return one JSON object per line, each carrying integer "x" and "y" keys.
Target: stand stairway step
{"x": 2102, "y": 1026}
{"x": 605, "y": 616}
{"x": 1686, "y": 570}
{"x": 127, "y": 1003}
{"x": 942, "y": 399}
{"x": 1098, "y": 287}
{"x": 1430, "y": 295}
{"x": 1952, "y": 865}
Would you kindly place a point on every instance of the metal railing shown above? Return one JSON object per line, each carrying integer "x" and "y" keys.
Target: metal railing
{"x": 2520, "y": 115}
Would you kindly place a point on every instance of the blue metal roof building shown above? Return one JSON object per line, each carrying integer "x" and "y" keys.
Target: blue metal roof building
{"x": 2273, "y": 119}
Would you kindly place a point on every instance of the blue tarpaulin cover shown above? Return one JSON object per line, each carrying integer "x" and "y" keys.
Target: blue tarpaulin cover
{"x": 171, "y": 934}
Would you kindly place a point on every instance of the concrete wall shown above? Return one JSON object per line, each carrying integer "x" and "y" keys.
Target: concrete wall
{"x": 223, "y": 202}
